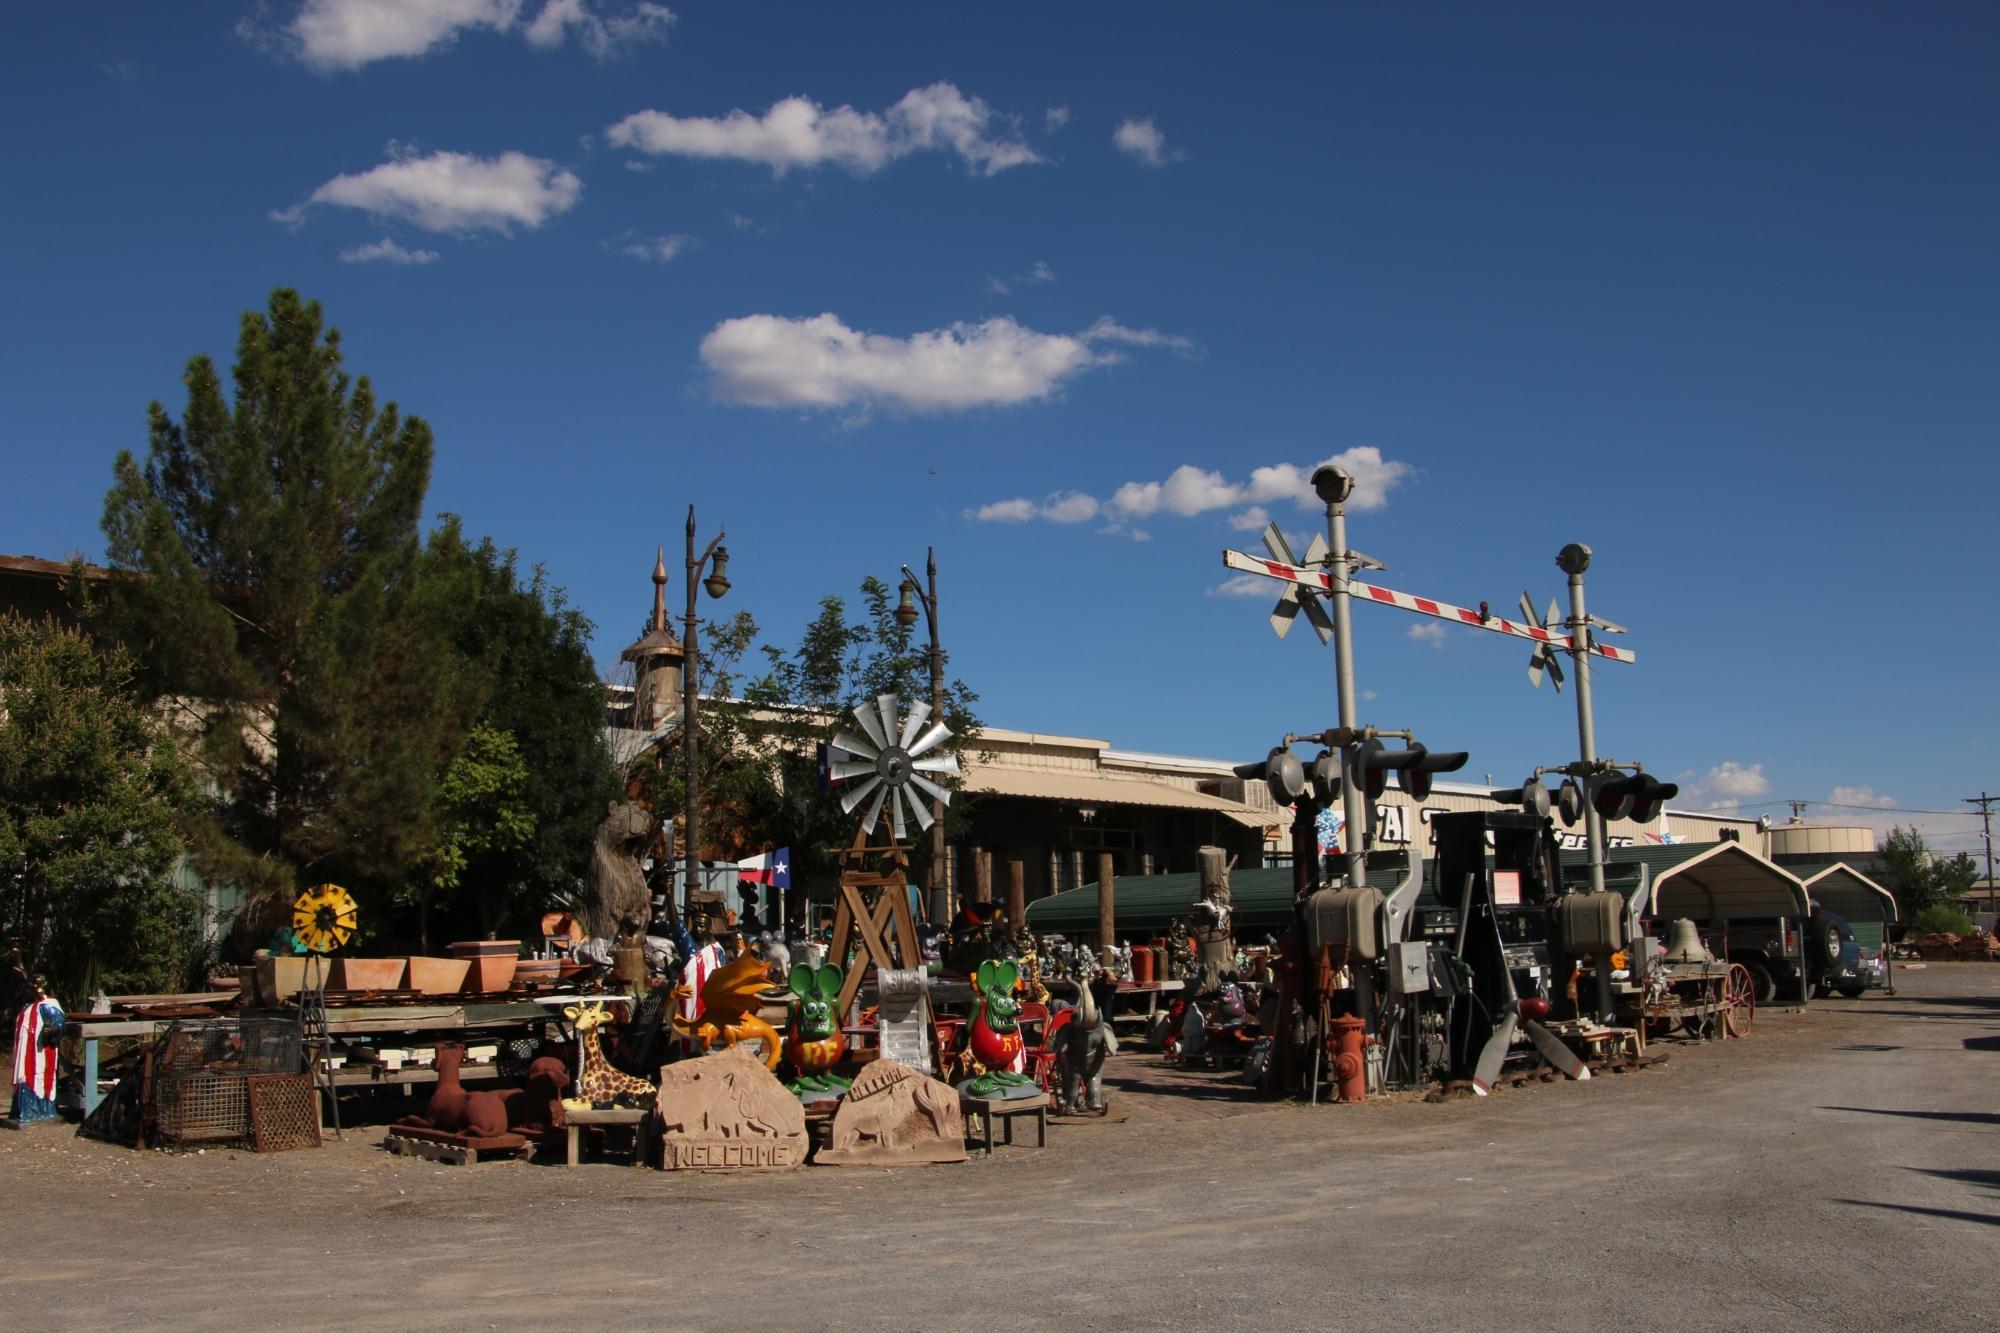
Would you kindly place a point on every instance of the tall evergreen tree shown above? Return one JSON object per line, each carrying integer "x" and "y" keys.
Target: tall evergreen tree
{"x": 282, "y": 599}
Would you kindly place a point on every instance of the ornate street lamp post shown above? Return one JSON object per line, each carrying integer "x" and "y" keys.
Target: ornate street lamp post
{"x": 717, "y": 583}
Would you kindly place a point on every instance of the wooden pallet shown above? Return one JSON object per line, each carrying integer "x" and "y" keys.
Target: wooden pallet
{"x": 457, "y": 1149}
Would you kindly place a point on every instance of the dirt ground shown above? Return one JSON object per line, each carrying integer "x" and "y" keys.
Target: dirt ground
{"x": 1837, "y": 1170}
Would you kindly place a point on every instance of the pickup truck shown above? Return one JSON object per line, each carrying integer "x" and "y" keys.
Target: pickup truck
{"x": 1768, "y": 950}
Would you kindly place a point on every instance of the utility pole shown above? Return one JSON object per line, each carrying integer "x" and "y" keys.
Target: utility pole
{"x": 1985, "y": 804}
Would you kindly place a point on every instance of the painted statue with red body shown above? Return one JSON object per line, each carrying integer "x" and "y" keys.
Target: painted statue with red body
{"x": 994, "y": 1037}
{"x": 814, "y": 1042}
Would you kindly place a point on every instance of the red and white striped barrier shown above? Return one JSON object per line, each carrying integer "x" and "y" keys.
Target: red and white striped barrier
{"x": 1318, "y": 579}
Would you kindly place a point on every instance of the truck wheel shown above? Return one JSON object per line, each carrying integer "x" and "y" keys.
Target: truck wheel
{"x": 1760, "y": 981}
{"x": 1852, "y": 992}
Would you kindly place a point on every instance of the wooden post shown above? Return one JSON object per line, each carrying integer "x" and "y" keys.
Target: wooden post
{"x": 982, "y": 875}
{"x": 1107, "y": 916}
{"x": 1017, "y": 894}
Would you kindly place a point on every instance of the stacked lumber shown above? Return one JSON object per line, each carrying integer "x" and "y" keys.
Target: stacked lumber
{"x": 1979, "y": 946}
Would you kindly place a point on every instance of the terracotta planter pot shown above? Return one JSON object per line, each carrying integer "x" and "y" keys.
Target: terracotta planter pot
{"x": 486, "y": 975}
{"x": 438, "y": 976}
{"x": 486, "y": 949}
{"x": 538, "y": 971}
{"x": 368, "y": 974}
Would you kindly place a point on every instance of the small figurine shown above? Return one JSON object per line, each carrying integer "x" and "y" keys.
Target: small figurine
{"x": 1081, "y": 1047}
{"x": 994, "y": 1037}
{"x": 37, "y": 1032}
{"x": 730, "y": 998}
{"x": 815, "y": 1043}
{"x": 601, "y": 1084}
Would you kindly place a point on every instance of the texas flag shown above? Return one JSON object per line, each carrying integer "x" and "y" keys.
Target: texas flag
{"x": 773, "y": 868}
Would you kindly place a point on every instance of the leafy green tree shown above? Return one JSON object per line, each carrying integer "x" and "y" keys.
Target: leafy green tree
{"x": 92, "y": 791}
{"x": 283, "y": 601}
{"x": 1920, "y": 880}
{"x": 525, "y": 844}
{"x": 804, "y": 697}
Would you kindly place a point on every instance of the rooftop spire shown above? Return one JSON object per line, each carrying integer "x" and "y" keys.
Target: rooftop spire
{"x": 659, "y": 621}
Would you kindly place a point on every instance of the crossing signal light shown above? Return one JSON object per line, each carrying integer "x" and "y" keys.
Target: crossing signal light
{"x": 1325, "y": 776}
{"x": 1280, "y": 772}
{"x": 1637, "y": 796}
{"x": 1531, "y": 796}
{"x": 1414, "y": 767}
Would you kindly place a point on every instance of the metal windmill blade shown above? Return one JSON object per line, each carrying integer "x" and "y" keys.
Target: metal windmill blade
{"x": 887, "y": 761}
{"x": 1292, "y": 598}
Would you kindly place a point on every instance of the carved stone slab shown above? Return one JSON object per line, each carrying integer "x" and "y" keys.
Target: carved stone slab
{"x": 894, "y": 1116}
{"x": 727, "y": 1112}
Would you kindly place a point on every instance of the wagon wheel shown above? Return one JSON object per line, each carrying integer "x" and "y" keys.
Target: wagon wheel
{"x": 1740, "y": 994}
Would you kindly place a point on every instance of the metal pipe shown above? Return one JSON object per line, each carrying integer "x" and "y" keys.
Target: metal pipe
{"x": 1574, "y": 560}
{"x": 1355, "y": 815}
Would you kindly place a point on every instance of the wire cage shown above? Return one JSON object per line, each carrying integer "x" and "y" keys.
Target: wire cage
{"x": 198, "y": 1087}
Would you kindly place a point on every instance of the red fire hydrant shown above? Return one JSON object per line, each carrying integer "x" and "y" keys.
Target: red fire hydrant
{"x": 1350, "y": 1067}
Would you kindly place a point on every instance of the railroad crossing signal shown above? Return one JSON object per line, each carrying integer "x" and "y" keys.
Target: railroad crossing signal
{"x": 1291, "y": 598}
{"x": 1320, "y": 581}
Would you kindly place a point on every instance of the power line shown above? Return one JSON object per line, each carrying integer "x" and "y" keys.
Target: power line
{"x": 1838, "y": 805}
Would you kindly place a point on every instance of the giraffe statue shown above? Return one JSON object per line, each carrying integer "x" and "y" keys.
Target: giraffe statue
{"x": 601, "y": 1084}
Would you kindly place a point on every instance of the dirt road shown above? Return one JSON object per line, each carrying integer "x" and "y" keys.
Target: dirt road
{"x": 1835, "y": 1171}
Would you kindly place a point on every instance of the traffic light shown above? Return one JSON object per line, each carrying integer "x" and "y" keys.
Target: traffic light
{"x": 1569, "y": 803}
{"x": 1280, "y": 772}
{"x": 1638, "y": 796}
{"x": 1413, "y": 767}
{"x": 1531, "y": 796}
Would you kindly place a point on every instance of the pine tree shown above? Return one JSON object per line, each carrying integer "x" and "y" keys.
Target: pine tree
{"x": 283, "y": 602}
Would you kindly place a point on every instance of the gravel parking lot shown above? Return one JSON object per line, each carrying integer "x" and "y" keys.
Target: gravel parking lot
{"x": 1835, "y": 1170}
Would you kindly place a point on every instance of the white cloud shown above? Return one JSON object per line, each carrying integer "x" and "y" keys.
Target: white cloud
{"x": 386, "y": 251}
{"x": 1036, "y": 274}
{"x": 452, "y": 192}
{"x": 819, "y": 362}
{"x": 1245, "y": 585}
{"x": 1055, "y": 117}
{"x": 604, "y": 37}
{"x": 1110, "y": 330}
{"x": 1006, "y": 511}
{"x": 1141, "y": 138}
{"x": 1189, "y": 491}
{"x": 798, "y": 133}
{"x": 1432, "y": 632}
{"x": 1724, "y": 787}
{"x": 654, "y": 249}
{"x": 1860, "y": 796}
{"x": 348, "y": 34}
{"x": 1062, "y": 507}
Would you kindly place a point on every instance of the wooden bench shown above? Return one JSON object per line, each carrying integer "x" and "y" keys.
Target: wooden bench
{"x": 625, "y": 1117}
{"x": 1007, "y": 1111}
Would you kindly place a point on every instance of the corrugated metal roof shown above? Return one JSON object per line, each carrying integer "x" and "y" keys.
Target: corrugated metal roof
{"x": 1703, "y": 881}
{"x": 1843, "y": 889}
{"x": 1056, "y": 785}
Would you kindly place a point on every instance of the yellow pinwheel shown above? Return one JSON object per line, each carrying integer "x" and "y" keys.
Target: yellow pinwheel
{"x": 324, "y": 918}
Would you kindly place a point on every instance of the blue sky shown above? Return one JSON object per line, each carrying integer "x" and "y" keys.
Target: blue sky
{"x": 1069, "y": 291}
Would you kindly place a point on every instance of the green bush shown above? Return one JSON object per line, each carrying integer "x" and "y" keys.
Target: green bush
{"x": 1938, "y": 918}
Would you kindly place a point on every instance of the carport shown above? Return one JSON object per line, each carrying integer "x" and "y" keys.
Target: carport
{"x": 1709, "y": 883}
{"x": 1869, "y": 908}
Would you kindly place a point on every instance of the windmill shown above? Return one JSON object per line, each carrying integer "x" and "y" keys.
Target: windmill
{"x": 892, "y": 758}
{"x": 324, "y": 918}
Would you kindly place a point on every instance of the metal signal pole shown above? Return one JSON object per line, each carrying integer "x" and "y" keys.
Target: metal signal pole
{"x": 1573, "y": 560}
{"x": 1334, "y": 486}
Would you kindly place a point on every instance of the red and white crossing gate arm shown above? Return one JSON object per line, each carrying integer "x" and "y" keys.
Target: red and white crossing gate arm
{"x": 1307, "y": 576}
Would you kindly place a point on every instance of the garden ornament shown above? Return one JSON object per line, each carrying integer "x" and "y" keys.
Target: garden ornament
{"x": 815, "y": 1043}
{"x": 994, "y": 1037}
{"x": 730, "y": 999}
{"x": 1081, "y": 1047}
